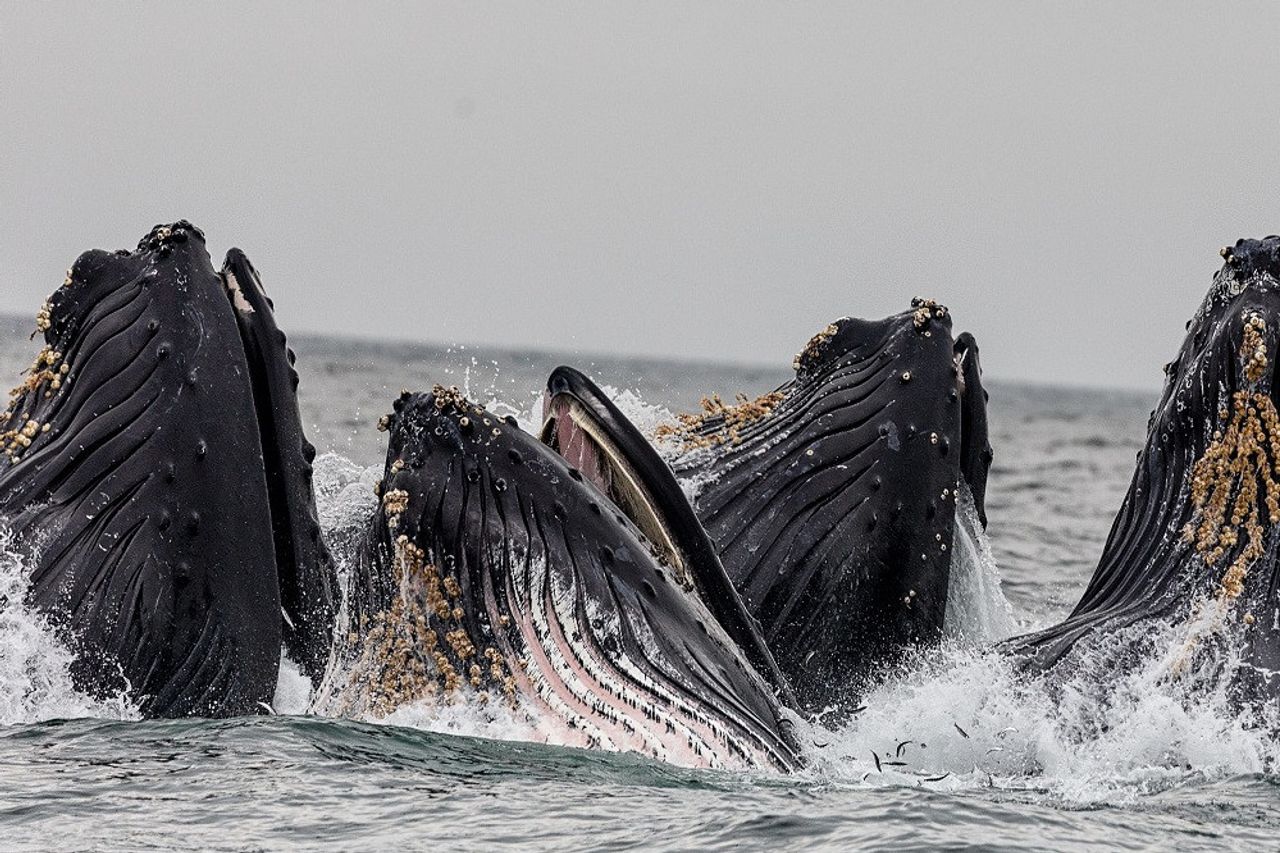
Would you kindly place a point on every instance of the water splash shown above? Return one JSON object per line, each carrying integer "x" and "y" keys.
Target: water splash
{"x": 646, "y": 416}
{"x": 35, "y": 675}
{"x": 959, "y": 718}
{"x": 344, "y": 493}
{"x": 345, "y": 501}
{"x": 977, "y": 611}
{"x": 293, "y": 689}
{"x": 495, "y": 720}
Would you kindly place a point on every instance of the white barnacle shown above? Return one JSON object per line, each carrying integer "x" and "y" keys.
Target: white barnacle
{"x": 395, "y": 502}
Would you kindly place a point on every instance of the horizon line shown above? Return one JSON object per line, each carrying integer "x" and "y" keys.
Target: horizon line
{"x": 394, "y": 340}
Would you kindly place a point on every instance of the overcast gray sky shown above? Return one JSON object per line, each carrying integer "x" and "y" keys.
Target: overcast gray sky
{"x": 691, "y": 178}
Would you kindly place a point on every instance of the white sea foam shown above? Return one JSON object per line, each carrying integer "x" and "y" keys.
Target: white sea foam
{"x": 646, "y": 416}
{"x": 493, "y": 720}
{"x": 1101, "y": 735}
{"x": 344, "y": 493}
{"x": 35, "y": 678}
{"x": 527, "y": 410}
{"x": 293, "y": 689}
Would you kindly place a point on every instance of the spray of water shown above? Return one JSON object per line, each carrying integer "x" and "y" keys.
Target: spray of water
{"x": 35, "y": 668}
{"x": 977, "y": 611}
{"x": 959, "y": 717}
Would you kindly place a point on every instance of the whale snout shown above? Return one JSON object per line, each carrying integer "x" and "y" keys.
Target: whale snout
{"x": 1232, "y": 341}
{"x": 1253, "y": 257}
{"x": 442, "y": 447}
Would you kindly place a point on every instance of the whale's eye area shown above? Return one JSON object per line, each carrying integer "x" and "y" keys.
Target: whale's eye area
{"x": 573, "y": 432}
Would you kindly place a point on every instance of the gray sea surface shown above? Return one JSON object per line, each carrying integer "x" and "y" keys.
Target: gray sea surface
{"x": 991, "y": 765}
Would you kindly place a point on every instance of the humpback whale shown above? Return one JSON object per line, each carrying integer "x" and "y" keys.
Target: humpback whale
{"x": 1196, "y": 543}
{"x": 831, "y": 500}
{"x": 155, "y": 473}
{"x": 496, "y": 570}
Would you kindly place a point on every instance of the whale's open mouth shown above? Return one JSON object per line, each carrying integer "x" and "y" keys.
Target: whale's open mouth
{"x": 580, "y": 436}
{"x": 585, "y": 427}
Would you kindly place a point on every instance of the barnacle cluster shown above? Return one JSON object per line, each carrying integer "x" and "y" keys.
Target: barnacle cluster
{"x": 718, "y": 423}
{"x": 394, "y": 503}
{"x": 46, "y": 368}
{"x": 1238, "y": 473}
{"x": 451, "y": 398}
{"x": 924, "y": 310}
{"x": 813, "y": 350}
{"x": 14, "y": 441}
{"x": 419, "y": 647}
{"x": 47, "y": 372}
{"x": 44, "y": 317}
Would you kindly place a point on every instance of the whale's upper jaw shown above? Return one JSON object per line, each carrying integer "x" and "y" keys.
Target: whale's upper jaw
{"x": 1250, "y": 271}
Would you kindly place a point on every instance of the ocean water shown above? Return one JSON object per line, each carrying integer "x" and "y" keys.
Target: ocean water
{"x": 987, "y": 760}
